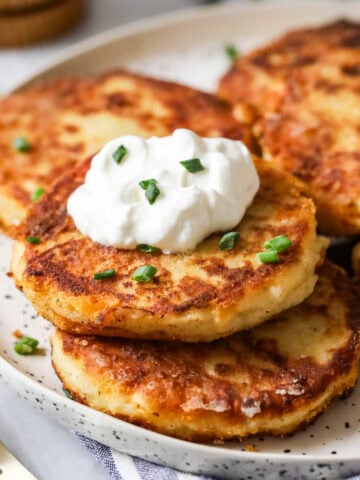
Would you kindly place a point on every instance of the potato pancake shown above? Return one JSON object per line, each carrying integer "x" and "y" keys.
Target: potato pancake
{"x": 273, "y": 379}
{"x": 63, "y": 121}
{"x": 201, "y": 295}
{"x": 305, "y": 87}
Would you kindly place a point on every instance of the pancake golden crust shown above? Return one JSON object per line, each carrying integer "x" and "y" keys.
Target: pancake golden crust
{"x": 199, "y": 296}
{"x": 259, "y": 78}
{"x": 315, "y": 136}
{"x": 306, "y": 88}
{"x": 273, "y": 379}
{"x": 66, "y": 120}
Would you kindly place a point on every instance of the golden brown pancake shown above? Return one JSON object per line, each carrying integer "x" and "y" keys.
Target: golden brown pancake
{"x": 67, "y": 119}
{"x": 305, "y": 87}
{"x": 198, "y": 296}
{"x": 274, "y": 379}
{"x": 260, "y": 77}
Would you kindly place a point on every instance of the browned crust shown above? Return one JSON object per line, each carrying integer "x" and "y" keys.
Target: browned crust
{"x": 243, "y": 370}
{"x": 259, "y": 77}
{"x": 211, "y": 282}
{"x": 45, "y": 115}
{"x": 305, "y": 89}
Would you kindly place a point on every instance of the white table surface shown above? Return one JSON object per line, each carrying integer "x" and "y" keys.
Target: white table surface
{"x": 48, "y": 450}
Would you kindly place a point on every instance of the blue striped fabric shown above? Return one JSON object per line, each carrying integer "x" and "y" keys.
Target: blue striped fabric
{"x": 120, "y": 470}
{"x": 123, "y": 468}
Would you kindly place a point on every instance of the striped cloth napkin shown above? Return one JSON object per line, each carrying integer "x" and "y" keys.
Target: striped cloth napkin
{"x": 124, "y": 467}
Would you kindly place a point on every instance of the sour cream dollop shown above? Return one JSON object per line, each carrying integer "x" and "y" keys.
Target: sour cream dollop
{"x": 112, "y": 209}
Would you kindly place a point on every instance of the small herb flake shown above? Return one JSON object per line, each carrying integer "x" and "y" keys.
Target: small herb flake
{"x": 270, "y": 256}
{"x": 21, "y": 144}
{"x": 229, "y": 241}
{"x": 33, "y": 240}
{"x": 26, "y": 346}
{"x": 193, "y": 165}
{"x": 145, "y": 183}
{"x": 147, "y": 248}
{"x": 279, "y": 243}
{"x": 231, "y": 52}
{"x": 68, "y": 394}
{"x": 35, "y": 196}
{"x": 119, "y": 154}
{"x": 104, "y": 275}
{"x": 151, "y": 190}
{"x": 144, "y": 274}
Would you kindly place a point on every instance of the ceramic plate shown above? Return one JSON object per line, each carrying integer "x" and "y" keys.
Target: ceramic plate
{"x": 187, "y": 47}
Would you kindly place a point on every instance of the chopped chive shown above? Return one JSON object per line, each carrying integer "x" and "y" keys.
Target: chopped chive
{"x": 193, "y": 165}
{"x": 229, "y": 241}
{"x": 21, "y": 144}
{"x": 33, "y": 240}
{"x": 152, "y": 192}
{"x": 35, "y": 196}
{"x": 279, "y": 243}
{"x": 270, "y": 256}
{"x": 151, "y": 189}
{"x": 144, "y": 274}
{"x": 231, "y": 52}
{"x": 119, "y": 154}
{"x": 147, "y": 248}
{"x": 26, "y": 346}
{"x": 68, "y": 394}
{"x": 145, "y": 183}
{"x": 104, "y": 275}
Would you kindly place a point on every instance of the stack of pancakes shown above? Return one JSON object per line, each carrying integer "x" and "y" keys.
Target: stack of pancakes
{"x": 218, "y": 346}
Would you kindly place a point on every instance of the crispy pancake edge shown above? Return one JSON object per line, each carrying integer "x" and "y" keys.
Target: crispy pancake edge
{"x": 146, "y": 383}
{"x": 268, "y": 78}
{"x": 203, "y": 312}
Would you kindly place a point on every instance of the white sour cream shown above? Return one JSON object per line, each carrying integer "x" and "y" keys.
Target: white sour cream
{"x": 111, "y": 207}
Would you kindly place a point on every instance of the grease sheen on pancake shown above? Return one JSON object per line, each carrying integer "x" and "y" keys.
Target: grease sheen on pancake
{"x": 67, "y": 119}
{"x": 197, "y": 296}
{"x": 275, "y": 378}
{"x": 305, "y": 87}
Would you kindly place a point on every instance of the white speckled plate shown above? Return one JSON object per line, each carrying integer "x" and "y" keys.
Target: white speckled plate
{"x": 187, "y": 47}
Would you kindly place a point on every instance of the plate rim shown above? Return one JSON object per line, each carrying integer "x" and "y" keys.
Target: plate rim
{"x": 102, "y": 39}
{"x": 201, "y": 447}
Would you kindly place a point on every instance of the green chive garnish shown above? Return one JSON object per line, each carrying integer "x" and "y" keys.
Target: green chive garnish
{"x": 145, "y": 183}
{"x": 147, "y": 248}
{"x": 193, "y": 165}
{"x": 26, "y": 346}
{"x": 271, "y": 256}
{"x": 21, "y": 144}
{"x": 152, "y": 192}
{"x": 104, "y": 275}
{"x": 231, "y": 52}
{"x": 229, "y": 241}
{"x": 279, "y": 243}
{"x": 151, "y": 189}
{"x": 144, "y": 274}
{"x": 37, "y": 194}
{"x": 33, "y": 240}
{"x": 68, "y": 394}
{"x": 119, "y": 154}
